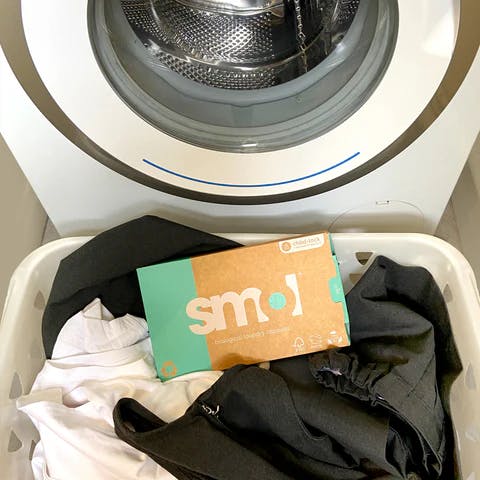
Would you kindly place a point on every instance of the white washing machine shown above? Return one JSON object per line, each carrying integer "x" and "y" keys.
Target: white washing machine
{"x": 242, "y": 115}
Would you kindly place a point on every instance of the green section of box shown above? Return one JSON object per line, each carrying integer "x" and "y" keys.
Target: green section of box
{"x": 166, "y": 290}
{"x": 332, "y": 246}
{"x": 338, "y": 295}
{"x": 336, "y": 286}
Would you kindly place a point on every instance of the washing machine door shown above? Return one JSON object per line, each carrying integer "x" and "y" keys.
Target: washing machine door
{"x": 191, "y": 125}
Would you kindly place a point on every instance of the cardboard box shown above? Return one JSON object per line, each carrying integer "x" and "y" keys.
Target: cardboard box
{"x": 245, "y": 305}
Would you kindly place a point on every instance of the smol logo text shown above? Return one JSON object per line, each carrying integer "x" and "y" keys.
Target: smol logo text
{"x": 214, "y": 318}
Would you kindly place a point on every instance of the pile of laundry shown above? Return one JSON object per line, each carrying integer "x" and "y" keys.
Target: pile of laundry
{"x": 377, "y": 409}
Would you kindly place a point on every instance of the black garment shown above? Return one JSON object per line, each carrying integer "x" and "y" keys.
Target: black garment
{"x": 402, "y": 347}
{"x": 105, "y": 267}
{"x": 374, "y": 410}
{"x": 362, "y": 430}
{"x": 244, "y": 427}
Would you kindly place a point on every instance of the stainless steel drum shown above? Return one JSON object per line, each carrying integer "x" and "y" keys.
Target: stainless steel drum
{"x": 240, "y": 44}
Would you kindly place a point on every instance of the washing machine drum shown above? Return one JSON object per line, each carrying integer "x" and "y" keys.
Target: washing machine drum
{"x": 244, "y": 76}
{"x": 240, "y": 44}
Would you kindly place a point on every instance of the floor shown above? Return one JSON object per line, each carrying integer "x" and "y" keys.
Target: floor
{"x": 447, "y": 229}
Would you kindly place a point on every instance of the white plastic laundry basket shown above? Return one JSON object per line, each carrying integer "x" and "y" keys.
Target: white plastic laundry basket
{"x": 22, "y": 356}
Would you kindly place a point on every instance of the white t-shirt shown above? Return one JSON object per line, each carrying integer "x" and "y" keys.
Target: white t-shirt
{"x": 94, "y": 364}
{"x": 95, "y": 330}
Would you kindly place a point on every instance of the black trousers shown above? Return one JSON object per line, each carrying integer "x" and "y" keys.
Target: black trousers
{"x": 244, "y": 427}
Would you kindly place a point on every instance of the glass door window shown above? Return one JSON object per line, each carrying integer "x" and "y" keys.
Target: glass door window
{"x": 244, "y": 75}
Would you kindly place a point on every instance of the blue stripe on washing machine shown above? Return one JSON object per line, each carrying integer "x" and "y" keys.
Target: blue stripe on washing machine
{"x": 253, "y": 185}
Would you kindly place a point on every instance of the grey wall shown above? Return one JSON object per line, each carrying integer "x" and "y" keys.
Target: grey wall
{"x": 22, "y": 219}
{"x": 466, "y": 204}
